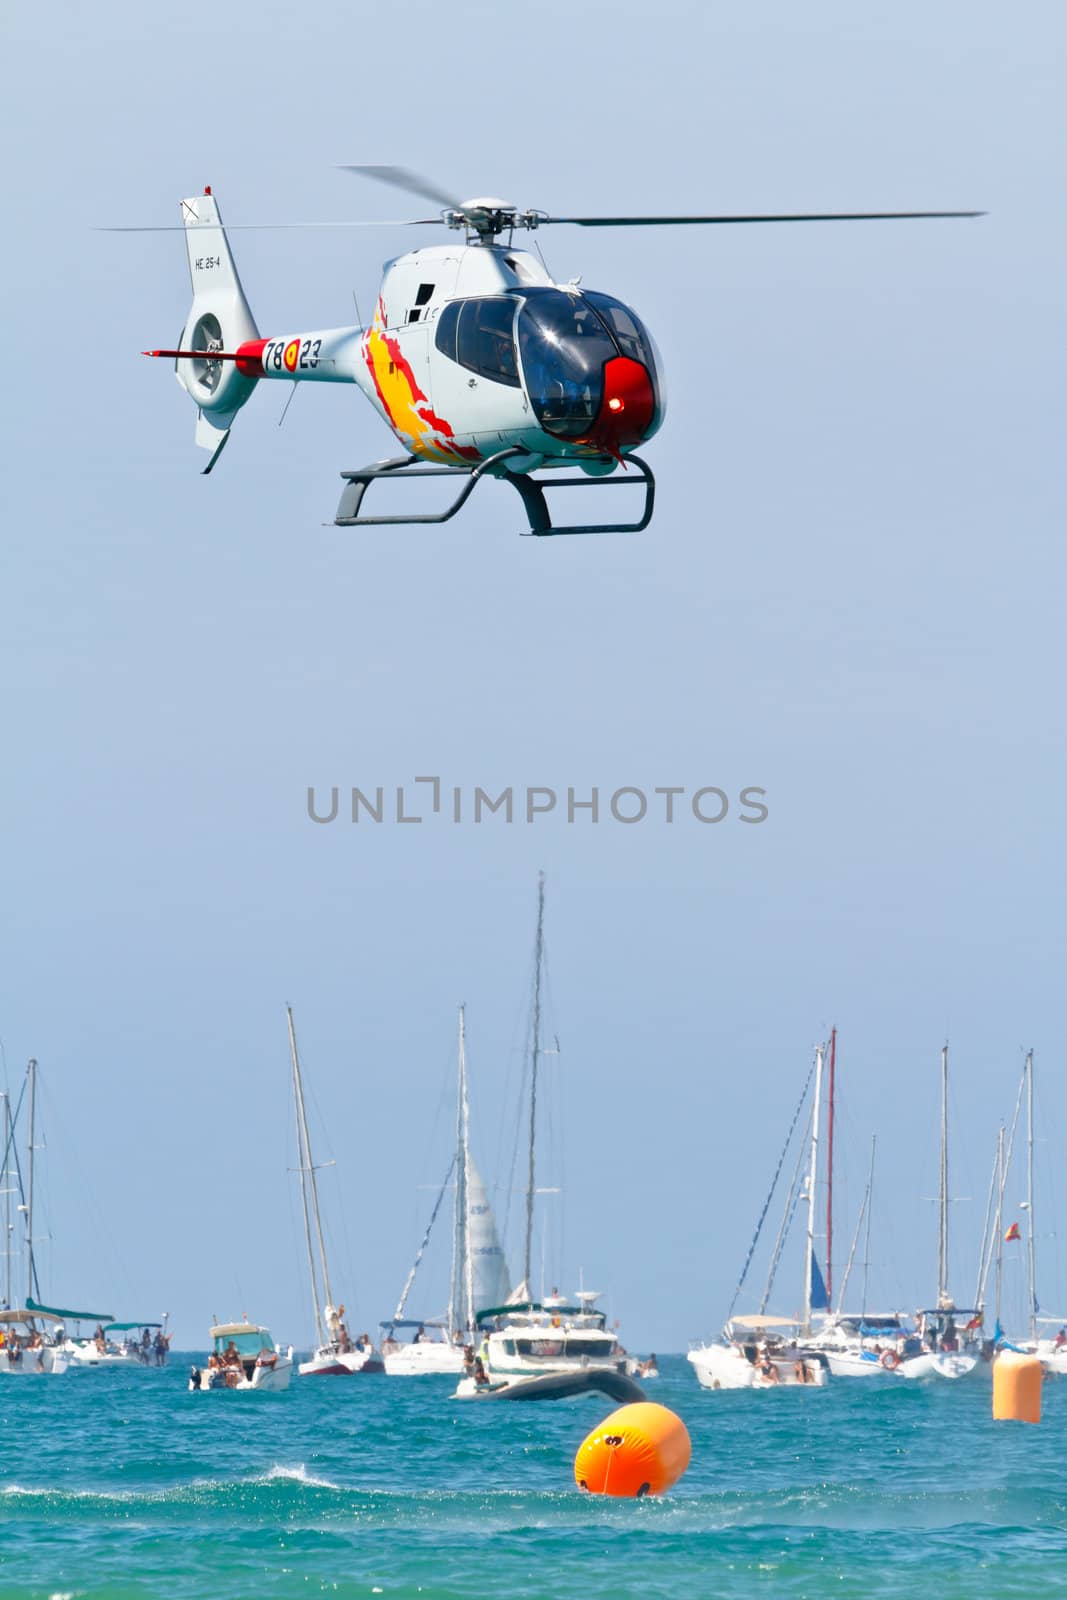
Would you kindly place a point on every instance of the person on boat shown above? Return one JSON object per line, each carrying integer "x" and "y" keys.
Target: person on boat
{"x": 160, "y": 1347}
{"x": 420, "y": 1334}
{"x": 231, "y": 1356}
{"x": 468, "y": 1360}
{"x": 803, "y": 1373}
{"x": 766, "y": 1368}
{"x": 1060, "y": 1340}
{"x": 100, "y": 1340}
{"x": 481, "y": 1377}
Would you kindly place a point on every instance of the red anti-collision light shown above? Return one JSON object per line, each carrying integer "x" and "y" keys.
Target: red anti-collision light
{"x": 628, "y": 407}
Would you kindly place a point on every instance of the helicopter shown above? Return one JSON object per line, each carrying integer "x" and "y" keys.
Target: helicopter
{"x": 476, "y": 359}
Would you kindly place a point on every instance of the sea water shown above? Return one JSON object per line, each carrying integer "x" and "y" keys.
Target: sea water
{"x": 123, "y": 1483}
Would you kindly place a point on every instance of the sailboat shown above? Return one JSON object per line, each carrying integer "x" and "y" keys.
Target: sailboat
{"x": 337, "y": 1354}
{"x": 32, "y": 1336}
{"x": 951, "y": 1336}
{"x": 1051, "y": 1350}
{"x": 479, "y": 1270}
{"x": 523, "y": 1339}
{"x": 757, "y": 1350}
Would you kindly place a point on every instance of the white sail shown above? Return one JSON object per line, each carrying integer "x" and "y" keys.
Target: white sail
{"x": 489, "y": 1276}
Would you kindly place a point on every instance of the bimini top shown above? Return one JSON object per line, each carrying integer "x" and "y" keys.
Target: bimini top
{"x": 230, "y": 1330}
{"x": 29, "y": 1315}
{"x": 756, "y": 1321}
{"x": 413, "y": 1322}
{"x": 125, "y": 1327}
{"x": 68, "y": 1316}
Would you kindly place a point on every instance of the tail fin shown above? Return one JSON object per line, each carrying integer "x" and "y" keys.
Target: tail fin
{"x": 220, "y": 319}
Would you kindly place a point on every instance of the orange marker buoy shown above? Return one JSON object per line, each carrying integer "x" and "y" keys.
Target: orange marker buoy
{"x": 1017, "y": 1387}
{"x": 640, "y": 1449}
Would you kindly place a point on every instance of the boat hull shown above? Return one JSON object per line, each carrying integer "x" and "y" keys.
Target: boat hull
{"x": 554, "y": 1386}
{"x": 415, "y": 1360}
{"x": 49, "y": 1362}
{"x": 720, "y": 1366}
{"x": 327, "y": 1363}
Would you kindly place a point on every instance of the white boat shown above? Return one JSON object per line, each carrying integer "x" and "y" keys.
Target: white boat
{"x": 119, "y": 1344}
{"x": 427, "y": 1348}
{"x": 951, "y": 1337}
{"x": 337, "y": 1353}
{"x": 413, "y": 1347}
{"x": 519, "y": 1336}
{"x": 34, "y": 1336}
{"x": 756, "y": 1352}
{"x": 244, "y": 1356}
{"x": 555, "y": 1336}
{"x": 31, "y": 1344}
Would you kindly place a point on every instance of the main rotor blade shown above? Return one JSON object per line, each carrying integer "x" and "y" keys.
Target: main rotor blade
{"x": 813, "y": 216}
{"x": 411, "y": 182}
{"x": 230, "y": 227}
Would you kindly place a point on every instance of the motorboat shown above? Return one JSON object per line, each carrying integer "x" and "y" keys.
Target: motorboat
{"x": 244, "y": 1356}
{"x": 534, "y": 1338}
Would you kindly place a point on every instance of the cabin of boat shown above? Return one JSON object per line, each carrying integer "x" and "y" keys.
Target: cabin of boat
{"x": 551, "y": 1335}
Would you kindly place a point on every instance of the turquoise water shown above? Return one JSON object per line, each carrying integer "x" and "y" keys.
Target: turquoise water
{"x": 125, "y": 1484}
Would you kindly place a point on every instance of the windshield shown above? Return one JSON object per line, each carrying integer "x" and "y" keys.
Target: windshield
{"x": 248, "y": 1344}
{"x": 564, "y": 346}
{"x": 571, "y": 345}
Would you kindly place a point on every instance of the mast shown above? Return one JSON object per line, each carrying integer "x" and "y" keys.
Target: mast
{"x": 308, "y": 1186}
{"x": 31, "y": 1271}
{"x": 5, "y": 1177}
{"x": 867, "y": 1235}
{"x": 464, "y": 1162}
{"x": 455, "y": 1281}
{"x": 535, "y": 1056}
{"x": 830, "y": 1172}
{"x": 810, "y": 1254}
{"x": 1031, "y": 1287}
{"x": 1001, "y": 1179}
{"x": 942, "y": 1236}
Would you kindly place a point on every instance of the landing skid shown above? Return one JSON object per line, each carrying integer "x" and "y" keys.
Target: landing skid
{"x": 531, "y": 491}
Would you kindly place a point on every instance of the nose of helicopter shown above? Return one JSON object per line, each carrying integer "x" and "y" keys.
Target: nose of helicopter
{"x": 628, "y": 406}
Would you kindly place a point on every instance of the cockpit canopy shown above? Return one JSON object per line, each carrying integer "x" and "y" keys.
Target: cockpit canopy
{"x": 571, "y": 348}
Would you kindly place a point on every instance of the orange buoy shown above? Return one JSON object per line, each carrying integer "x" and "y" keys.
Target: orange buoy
{"x": 1017, "y": 1387}
{"x": 640, "y": 1449}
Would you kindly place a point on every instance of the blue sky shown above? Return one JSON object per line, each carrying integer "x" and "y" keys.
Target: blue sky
{"x": 850, "y": 596}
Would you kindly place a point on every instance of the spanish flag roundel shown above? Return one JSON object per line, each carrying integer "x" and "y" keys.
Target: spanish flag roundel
{"x": 292, "y": 350}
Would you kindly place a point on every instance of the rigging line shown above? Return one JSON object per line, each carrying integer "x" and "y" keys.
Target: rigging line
{"x": 770, "y": 1194}
{"x": 421, "y": 1251}
{"x": 792, "y": 1201}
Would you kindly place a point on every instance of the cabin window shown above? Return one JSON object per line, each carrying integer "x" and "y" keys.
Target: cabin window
{"x": 479, "y": 335}
{"x": 425, "y": 292}
{"x": 445, "y": 337}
